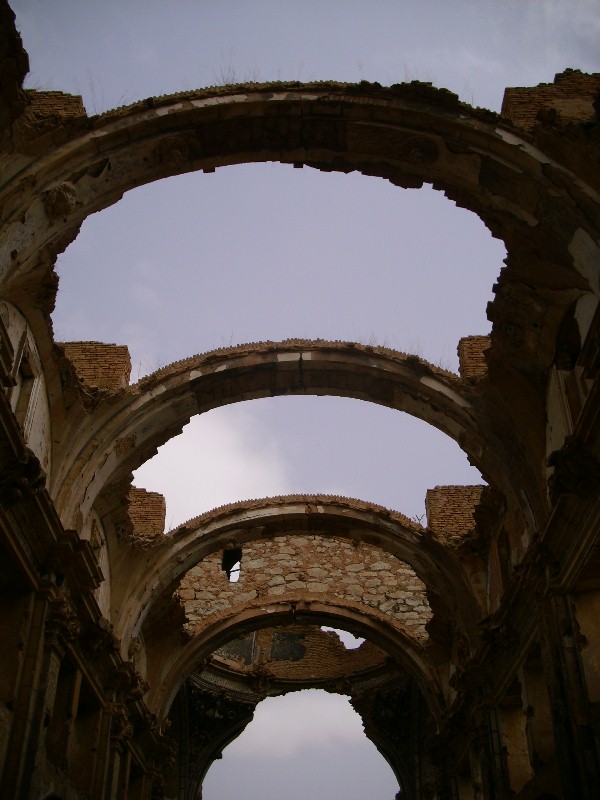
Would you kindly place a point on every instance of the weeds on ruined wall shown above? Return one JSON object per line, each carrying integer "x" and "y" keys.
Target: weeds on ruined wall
{"x": 226, "y": 73}
{"x": 96, "y": 91}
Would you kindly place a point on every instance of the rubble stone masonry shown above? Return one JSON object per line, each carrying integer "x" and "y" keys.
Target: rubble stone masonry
{"x": 312, "y": 566}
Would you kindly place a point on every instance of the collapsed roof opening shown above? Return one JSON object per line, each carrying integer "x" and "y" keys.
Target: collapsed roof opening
{"x": 452, "y": 663}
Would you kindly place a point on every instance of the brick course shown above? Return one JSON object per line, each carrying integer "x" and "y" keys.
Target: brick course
{"x": 45, "y": 104}
{"x": 104, "y": 366}
{"x": 146, "y": 512}
{"x": 571, "y": 95}
{"x": 471, "y": 356}
{"x": 450, "y": 509}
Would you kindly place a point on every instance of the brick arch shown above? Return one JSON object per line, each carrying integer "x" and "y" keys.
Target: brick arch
{"x": 100, "y": 450}
{"x": 409, "y": 134}
{"x": 146, "y": 579}
{"x": 408, "y": 653}
{"x": 407, "y": 660}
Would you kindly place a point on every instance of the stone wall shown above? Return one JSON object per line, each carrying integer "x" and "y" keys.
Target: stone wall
{"x": 308, "y": 566}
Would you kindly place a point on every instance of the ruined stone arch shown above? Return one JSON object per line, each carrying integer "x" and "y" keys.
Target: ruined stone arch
{"x": 409, "y": 655}
{"x": 101, "y": 449}
{"x": 169, "y": 663}
{"x": 408, "y": 675}
{"x": 152, "y": 576}
{"x": 134, "y": 424}
{"x": 408, "y": 134}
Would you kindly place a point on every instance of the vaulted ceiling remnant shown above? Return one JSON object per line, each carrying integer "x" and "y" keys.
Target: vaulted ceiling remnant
{"x": 134, "y": 654}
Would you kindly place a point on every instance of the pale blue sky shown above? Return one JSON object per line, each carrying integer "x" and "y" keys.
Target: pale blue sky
{"x": 122, "y": 50}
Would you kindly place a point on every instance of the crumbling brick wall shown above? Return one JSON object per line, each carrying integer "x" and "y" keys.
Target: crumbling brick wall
{"x": 46, "y": 104}
{"x": 571, "y": 96}
{"x": 104, "y": 366}
{"x": 301, "y": 652}
{"x": 147, "y": 512}
{"x": 450, "y": 509}
{"x": 309, "y": 566}
{"x": 471, "y": 356}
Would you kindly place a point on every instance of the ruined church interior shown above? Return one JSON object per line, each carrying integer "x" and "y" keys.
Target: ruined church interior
{"x": 133, "y": 655}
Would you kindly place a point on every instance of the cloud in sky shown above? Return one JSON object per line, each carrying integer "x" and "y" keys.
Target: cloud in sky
{"x": 318, "y": 719}
{"x": 306, "y": 744}
{"x": 303, "y": 445}
{"x": 262, "y": 251}
{"x": 221, "y": 458}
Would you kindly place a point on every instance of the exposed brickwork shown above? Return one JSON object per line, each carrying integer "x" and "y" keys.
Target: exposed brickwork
{"x": 450, "y": 509}
{"x": 324, "y": 654}
{"x": 307, "y": 566}
{"x": 571, "y": 95}
{"x": 471, "y": 356}
{"x": 106, "y": 366}
{"x": 146, "y": 512}
{"x": 46, "y": 104}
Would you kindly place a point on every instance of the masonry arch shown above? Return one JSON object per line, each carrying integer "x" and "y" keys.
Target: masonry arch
{"x": 150, "y": 577}
{"x": 266, "y": 251}
{"x": 409, "y": 676}
{"x": 408, "y": 134}
{"x": 303, "y": 444}
{"x": 101, "y": 450}
{"x": 409, "y": 654}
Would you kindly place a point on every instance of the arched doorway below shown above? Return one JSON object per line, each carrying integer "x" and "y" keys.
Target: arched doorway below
{"x": 303, "y": 744}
